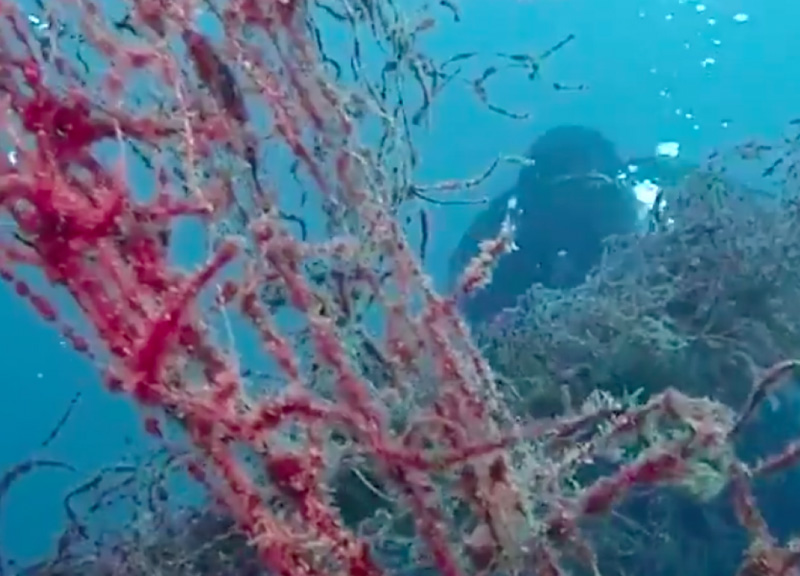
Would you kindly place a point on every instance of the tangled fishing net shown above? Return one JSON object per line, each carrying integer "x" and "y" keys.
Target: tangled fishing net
{"x": 370, "y": 435}
{"x": 708, "y": 298}
{"x": 704, "y": 301}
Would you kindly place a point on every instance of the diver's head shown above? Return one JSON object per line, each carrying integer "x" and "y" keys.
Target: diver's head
{"x": 571, "y": 151}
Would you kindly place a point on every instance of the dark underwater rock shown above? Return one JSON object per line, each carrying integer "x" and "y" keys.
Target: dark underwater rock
{"x": 565, "y": 205}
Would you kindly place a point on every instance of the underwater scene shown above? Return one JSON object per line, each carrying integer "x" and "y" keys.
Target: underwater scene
{"x": 399, "y": 288}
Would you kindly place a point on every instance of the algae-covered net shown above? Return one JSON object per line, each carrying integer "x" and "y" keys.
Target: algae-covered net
{"x": 285, "y": 164}
{"x": 705, "y": 298}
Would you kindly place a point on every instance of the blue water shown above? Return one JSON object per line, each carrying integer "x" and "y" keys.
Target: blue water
{"x": 643, "y": 63}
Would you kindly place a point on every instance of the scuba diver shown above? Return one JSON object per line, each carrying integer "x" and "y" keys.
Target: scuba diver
{"x": 577, "y": 193}
{"x": 564, "y": 206}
